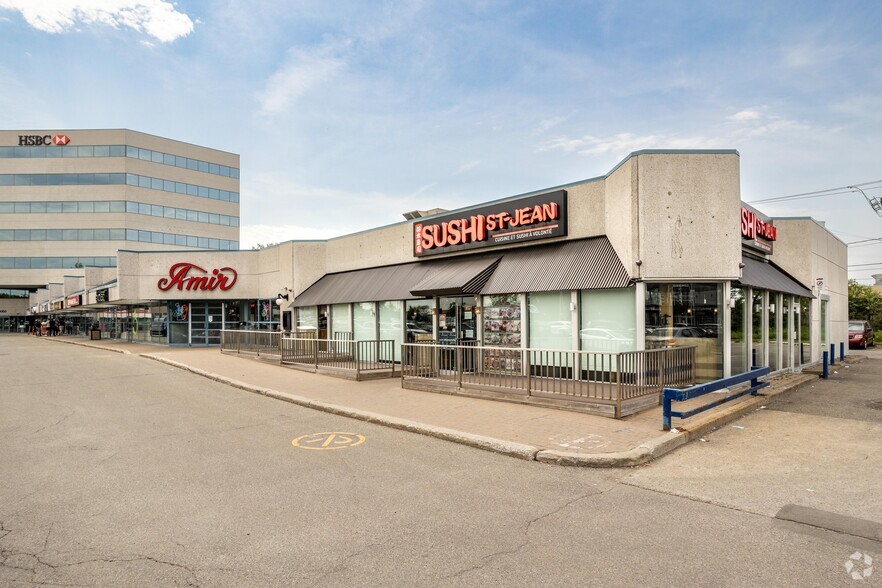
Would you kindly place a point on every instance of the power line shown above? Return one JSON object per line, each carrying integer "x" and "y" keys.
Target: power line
{"x": 821, "y": 193}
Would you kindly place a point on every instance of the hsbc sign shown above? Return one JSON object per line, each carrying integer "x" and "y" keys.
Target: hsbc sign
{"x": 26, "y": 140}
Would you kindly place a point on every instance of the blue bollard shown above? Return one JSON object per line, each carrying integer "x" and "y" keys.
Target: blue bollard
{"x": 826, "y": 372}
{"x": 841, "y": 351}
{"x": 832, "y": 353}
{"x": 753, "y": 358}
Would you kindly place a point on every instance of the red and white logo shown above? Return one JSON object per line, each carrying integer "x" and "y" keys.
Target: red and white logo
{"x": 61, "y": 139}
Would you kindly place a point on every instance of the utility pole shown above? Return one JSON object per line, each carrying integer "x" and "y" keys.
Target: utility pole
{"x": 874, "y": 202}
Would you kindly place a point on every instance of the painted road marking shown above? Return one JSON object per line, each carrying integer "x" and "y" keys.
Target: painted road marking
{"x": 325, "y": 441}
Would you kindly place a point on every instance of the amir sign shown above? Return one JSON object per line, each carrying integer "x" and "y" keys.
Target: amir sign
{"x": 191, "y": 277}
{"x": 515, "y": 221}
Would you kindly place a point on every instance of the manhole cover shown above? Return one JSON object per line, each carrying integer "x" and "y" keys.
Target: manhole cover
{"x": 877, "y": 404}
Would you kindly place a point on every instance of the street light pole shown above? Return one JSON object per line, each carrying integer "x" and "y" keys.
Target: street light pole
{"x": 874, "y": 202}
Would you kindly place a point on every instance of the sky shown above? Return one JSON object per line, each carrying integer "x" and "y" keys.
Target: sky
{"x": 347, "y": 113}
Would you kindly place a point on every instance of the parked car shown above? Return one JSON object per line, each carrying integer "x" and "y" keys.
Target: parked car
{"x": 861, "y": 334}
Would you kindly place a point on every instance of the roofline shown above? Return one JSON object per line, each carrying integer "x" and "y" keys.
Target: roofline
{"x": 127, "y": 131}
{"x": 543, "y": 190}
{"x": 814, "y": 220}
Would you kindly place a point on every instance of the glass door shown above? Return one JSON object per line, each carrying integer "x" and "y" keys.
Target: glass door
{"x": 198, "y": 331}
{"x": 457, "y": 320}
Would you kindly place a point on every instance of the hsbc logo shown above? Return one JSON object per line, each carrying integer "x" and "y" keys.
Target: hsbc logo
{"x": 27, "y": 140}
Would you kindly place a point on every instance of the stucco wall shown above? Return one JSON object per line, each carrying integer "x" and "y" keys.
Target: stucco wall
{"x": 689, "y": 215}
{"x": 13, "y": 306}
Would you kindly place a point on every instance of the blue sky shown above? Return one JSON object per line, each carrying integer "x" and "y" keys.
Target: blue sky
{"x": 347, "y": 114}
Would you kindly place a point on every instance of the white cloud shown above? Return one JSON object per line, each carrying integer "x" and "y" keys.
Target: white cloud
{"x": 157, "y": 18}
{"x": 468, "y": 166}
{"x": 589, "y": 145}
{"x": 744, "y": 115}
{"x": 302, "y": 71}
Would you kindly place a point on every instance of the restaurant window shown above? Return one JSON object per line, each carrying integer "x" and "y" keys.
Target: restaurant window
{"x": 341, "y": 325}
{"x": 550, "y": 327}
{"x": 805, "y": 331}
{"x": 739, "y": 357}
{"x": 364, "y": 325}
{"x": 773, "y": 331}
{"x": 786, "y": 348}
{"x": 418, "y": 320}
{"x": 687, "y": 315}
{"x": 823, "y": 325}
{"x": 501, "y": 317}
{"x": 391, "y": 326}
{"x": 756, "y": 327}
{"x": 607, "y": 321}
{"x": 307, "y": 320}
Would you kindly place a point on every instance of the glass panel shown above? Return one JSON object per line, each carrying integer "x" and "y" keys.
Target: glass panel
{"x": 501, "y": 318}
{"x": 22, "y": 207}
{"x": 85, "y": 207}
{"x": 102, "y": 150}
{"x": 805, "y": 321}
{"x": 756, "y": 322}
{"x": 340, "y": 322}
{"x": 390, "y": 324}
{"x": 53, "y": 207}
{"x": 550, "y": 320}
{"x": 6, "y": 208}
{"x": 607, "y": 321}
{"x": 38, "y": 207}
{"x": 739, "y": 342}
{"x": 307, "y": 320}
{"x": 364, "y": 322}
{"x": 773, "y": 331}
{"x": 786, "y": 348}
{"x": 102, "y": 206}
{"x": 131, "y": 151}
{"x": 687, "y": 315}
{"x": 69, "y": 207}
{"x": 418, "y": 320}
{"x": 823, "y": 325}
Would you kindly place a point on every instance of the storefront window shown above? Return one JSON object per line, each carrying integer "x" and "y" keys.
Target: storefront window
{"x": 341, "y": 325}
{"x": 502, "y": 320}
{"x": 364, "y": 321}
{"x": 233, "y": 317}
{"x": 390, "y": 324}
{"x": 307, "y": 320}
{"x": 786, "y": 349}
{"x": 805, "y": 321}
{"x": 418, "y": 318}
{"x": 756, "y": 324}
{"x": 823, "y": 325}
{"x": 687, "y": 315}
{"x": 551, "y": 324}
{"x": 179, "y": 323}
{"x": 773, "y": 331}
{"x": 551, "y": 327}
{"x": 740, "y": 363}
{"x": 607, "y": 321}
{"x": 263, "y": 315}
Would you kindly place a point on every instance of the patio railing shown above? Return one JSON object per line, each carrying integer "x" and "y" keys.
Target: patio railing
{"x": 363, "y": 359}
{"x": 259, "y": 342}
{"x": 615, "y": 384}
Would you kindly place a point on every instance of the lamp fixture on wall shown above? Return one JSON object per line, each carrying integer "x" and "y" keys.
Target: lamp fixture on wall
{"x": 284, "y": 295}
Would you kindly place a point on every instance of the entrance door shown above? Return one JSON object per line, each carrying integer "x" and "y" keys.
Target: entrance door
{"x": 207, "y": 322}
{"x": 457, "y": 320}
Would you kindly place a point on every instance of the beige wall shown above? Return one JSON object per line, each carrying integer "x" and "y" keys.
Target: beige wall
{"x": 139, "y": 274}
{"x": 13, "y": 306}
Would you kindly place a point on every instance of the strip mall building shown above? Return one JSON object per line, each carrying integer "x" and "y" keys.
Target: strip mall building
{"x": 661, "y": 251}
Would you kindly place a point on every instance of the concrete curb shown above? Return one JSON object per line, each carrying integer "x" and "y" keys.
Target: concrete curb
{"x": 81, "y": 344}
{"x": 519, "y": 450}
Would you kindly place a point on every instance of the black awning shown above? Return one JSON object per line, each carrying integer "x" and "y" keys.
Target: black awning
{"x": 587, "y": 264}
{"x": 456, "y": 276}
{"x": 768, "y": 276}
{"x": 571, "y": 265}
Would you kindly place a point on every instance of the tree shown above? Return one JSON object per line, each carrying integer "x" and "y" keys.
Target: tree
{"x": 260, "y": 246}
{"x": 864, "y": 303}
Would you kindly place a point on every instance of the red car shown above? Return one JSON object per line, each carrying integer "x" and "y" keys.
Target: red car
{"x": 861, "y": 334}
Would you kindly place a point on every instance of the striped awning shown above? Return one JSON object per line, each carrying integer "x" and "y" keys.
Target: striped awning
{"x": 768, "y": 276}
{"x": 571, "y": 265}
{"x": 586, "y": 264}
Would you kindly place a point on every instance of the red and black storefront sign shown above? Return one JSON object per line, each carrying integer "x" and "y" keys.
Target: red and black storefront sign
{"x": 526, "y": 219}
{"x": 757, "y": 233}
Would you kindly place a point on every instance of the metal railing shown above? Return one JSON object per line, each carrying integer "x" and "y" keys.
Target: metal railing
{"x": 598, "y": 377}
{"x": 259, "y": 342}
{"x": 358, "y": 357}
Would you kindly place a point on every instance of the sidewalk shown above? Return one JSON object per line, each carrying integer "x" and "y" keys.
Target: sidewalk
{"x": 534, "y": 433}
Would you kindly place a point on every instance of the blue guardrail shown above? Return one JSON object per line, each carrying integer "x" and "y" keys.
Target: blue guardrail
{"x": 670, "y": 395}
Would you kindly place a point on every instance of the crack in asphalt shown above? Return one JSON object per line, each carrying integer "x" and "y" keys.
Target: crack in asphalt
{"x": 33, "y": 561}
{"x": 56, "y": 423}
{"x": 345, "y": 562}
{"x": 486, "y": 560}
